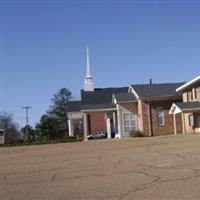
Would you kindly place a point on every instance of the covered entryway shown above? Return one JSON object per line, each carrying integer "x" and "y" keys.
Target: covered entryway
{"x": 98, "y": 121}
{"x": 190, "y": 116}
{"x": 75, "y": 124}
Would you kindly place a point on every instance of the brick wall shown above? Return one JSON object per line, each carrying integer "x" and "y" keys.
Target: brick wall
{"x": 168, "y": 128}
{"x": 145, "y": 117}
{"x": 192, "y": 88}
{"x": 179, "y": 124}
{"x": 97, "y": 122}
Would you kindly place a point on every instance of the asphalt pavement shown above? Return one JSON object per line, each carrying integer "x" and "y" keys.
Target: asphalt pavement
{"x": 157, "y": 168}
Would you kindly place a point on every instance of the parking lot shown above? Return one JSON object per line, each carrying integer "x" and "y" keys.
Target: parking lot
{"x": 165, "y": 167}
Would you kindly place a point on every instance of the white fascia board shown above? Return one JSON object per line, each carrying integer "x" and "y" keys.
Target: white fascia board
{"x": 188, "y": 84}
{"x": 129, "y": 88}
{"x": 133, "y": 92}
{"x": 75, "y": 115}
{"x": 175, "y": 109}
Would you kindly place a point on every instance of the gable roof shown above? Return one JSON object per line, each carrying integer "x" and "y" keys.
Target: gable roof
{"x": 188, "y": 105}
{"x": 74, "y": 106}
{"x": 163, "y": 90}
{"x": 188, "y": 84}
{"x": 100, "y": 98}
{"x": 184, "y": 107}
{"x": 124, "y": 97}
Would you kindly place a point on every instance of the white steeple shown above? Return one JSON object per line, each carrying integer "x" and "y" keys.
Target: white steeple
{"x": 88, "y": 81}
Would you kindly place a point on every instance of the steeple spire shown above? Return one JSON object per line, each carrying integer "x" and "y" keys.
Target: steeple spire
{"x": 88, "y": 81}
{"x": 88, "y": 74}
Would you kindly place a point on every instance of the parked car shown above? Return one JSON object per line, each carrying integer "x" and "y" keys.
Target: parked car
{"x": 97, "y": 135}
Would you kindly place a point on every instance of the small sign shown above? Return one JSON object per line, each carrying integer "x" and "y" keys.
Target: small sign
{"x": 2, "y": 136}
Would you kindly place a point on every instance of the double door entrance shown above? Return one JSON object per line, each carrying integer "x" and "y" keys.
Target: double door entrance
{"x": 130, "y": 123}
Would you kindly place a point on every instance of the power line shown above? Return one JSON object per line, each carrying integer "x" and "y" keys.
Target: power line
{"x": 27, "y": 122}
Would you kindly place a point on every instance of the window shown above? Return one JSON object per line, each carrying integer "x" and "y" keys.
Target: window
{"x": 130, "y": 122}
{"x": 197, "y": 92}
{"x": 191, "y": 120}
{"x": 160, "y": 116}
{"x": 190, "y": 96}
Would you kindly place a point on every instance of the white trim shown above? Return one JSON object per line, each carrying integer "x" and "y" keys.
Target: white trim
{"x": 114, "y": 100}
{"x": 174, "y": 109}
{"x": 135, "y": 118}
{"x": 188, "y": 84}
{"x": 71, "y": 127}
{"x": 119, "y": 122}
{"x": 133, "y": 92}
{"x": 74, "y": 115}
{"x": 108, "y": 127}
{"x": 175, "y": 127}
{"x": 160, "y": 115}
{"x": 85, "y": 126}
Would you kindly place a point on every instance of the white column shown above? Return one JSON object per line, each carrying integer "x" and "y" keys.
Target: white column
{"x": 175, "y": 128}
{"x": 71, "y": 127}
{"x": 183, "y": 123}
{"x": 85, "y": 126}
{"x": 119, "y": 122}
{"x": 108, "y": 128}
{"x": 114, "y": 122}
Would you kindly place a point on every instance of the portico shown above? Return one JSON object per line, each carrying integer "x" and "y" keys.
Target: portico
{"x": 100, "y": 121}
{"x": 190, "y": 116}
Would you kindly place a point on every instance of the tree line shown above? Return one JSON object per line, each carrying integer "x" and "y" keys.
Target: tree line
{"x": 52, "y": 125}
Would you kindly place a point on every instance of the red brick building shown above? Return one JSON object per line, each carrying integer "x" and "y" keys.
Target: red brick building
{"x": 189, "y": 109}
{"x": 121, "y": 111}
{"x": 118, "y": 111}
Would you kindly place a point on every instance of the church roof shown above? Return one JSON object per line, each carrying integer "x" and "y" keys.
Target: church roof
{"x": 124, "y": 97}
{"x": 157, "y": 90}
{"x": 74, "y": 106}
{"x": 100, "y": 98}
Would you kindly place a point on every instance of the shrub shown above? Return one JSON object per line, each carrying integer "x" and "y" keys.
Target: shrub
{"x": 21, "y": 142}
{"x": 136, "y": 133}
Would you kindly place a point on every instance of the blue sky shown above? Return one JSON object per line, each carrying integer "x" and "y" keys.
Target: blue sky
{"x": 44, "y": 47}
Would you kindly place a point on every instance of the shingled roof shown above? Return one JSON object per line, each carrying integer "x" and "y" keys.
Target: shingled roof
{"x": 100, "y": 98}
{"x": 124, "y": 97}
{"x": 184, "y": 107}
{"x": 74, "y": 106}
{"x": 157, "y": 90}
{"x": 188, "y": 105}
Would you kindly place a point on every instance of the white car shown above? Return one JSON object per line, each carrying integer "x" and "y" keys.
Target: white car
{"x": 97, "y": 135}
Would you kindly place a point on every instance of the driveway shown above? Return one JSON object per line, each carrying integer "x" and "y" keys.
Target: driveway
{"x": 166, "y": 167}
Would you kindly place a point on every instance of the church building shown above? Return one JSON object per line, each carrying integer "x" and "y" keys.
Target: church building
{"x": 120, "y": 111}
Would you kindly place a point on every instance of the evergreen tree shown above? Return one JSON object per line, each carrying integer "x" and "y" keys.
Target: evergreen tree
{"x": 59, "y": 109}
{"x": 54, "y": 124}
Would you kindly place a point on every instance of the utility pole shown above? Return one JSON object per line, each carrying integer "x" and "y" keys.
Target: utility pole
{"x": 26, "y": 108}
